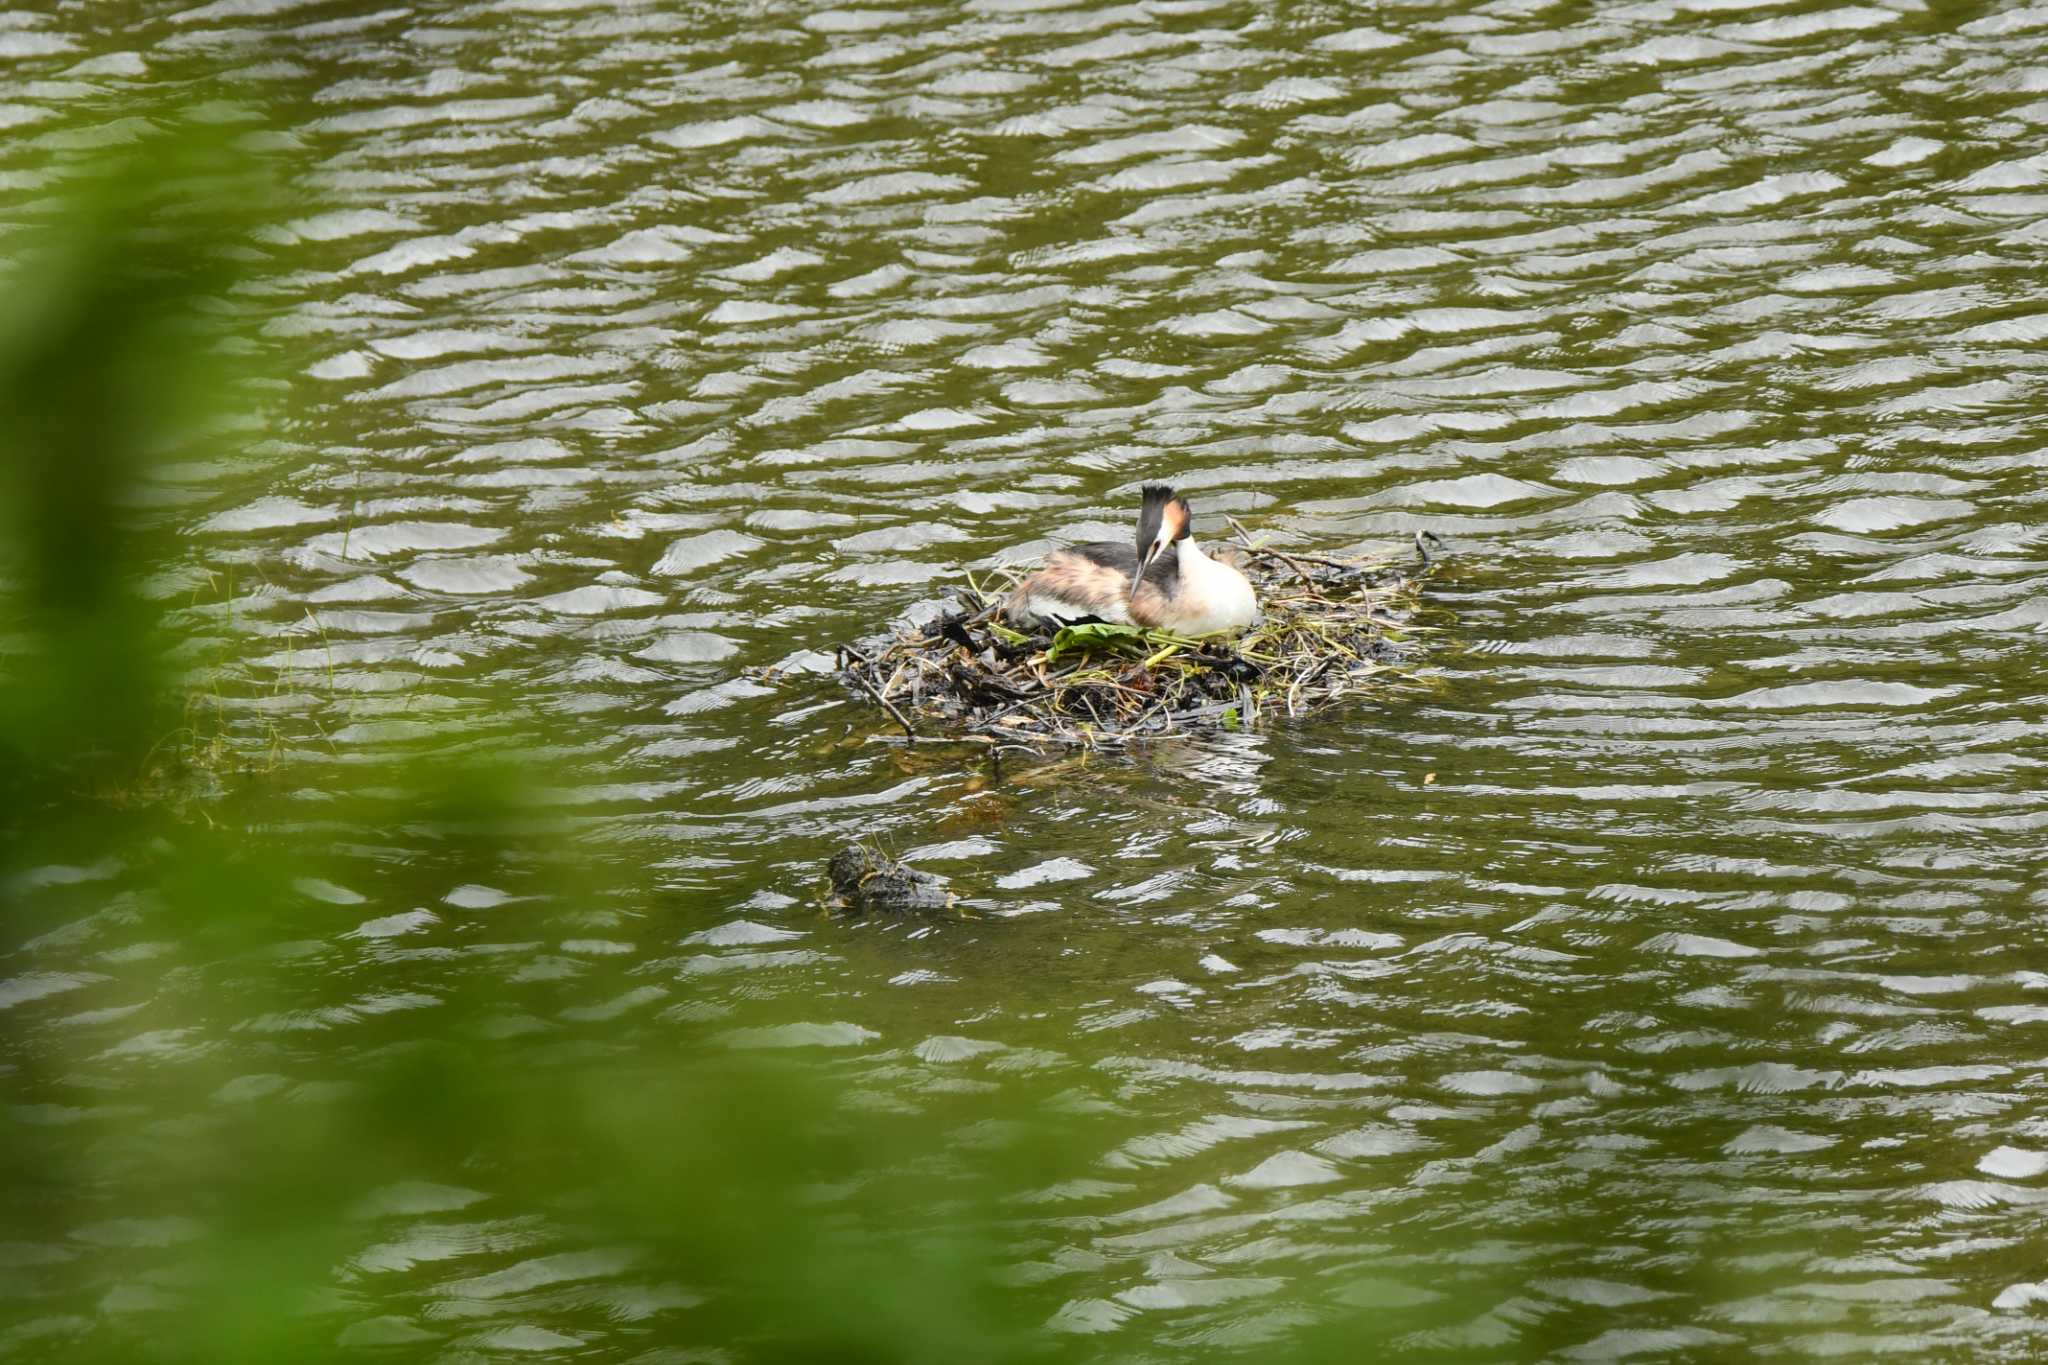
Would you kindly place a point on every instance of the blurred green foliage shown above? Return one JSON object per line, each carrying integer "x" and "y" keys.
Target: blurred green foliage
{"x": 118, "y": 350}
{"x": 110, "y": 356}
{"x": 799, "y": 1223}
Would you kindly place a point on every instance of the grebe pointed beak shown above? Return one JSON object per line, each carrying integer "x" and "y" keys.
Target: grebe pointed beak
{"x": 1152, "y": 552}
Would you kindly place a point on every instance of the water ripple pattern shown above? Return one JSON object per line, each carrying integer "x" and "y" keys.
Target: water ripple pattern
{"x": 649, "y": 344}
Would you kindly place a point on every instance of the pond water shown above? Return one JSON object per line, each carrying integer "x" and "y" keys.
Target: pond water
{"x": 1669, "y": 971}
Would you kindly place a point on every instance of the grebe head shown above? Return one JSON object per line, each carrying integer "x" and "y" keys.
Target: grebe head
{"x": 1164, "y": 518}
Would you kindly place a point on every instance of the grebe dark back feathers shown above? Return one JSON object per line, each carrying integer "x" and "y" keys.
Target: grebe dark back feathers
{"x": 1163, "y": 581}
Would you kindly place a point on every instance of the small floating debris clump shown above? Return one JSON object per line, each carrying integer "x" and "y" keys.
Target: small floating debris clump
{"x": 865, "y": 879}
{"x": 1331, "y": 627}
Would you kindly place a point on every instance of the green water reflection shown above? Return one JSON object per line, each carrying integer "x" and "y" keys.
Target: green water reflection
{"x": 412, "y": 936}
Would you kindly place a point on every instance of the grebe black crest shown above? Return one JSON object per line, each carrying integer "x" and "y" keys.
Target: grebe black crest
{"x": 1163, "y": 581}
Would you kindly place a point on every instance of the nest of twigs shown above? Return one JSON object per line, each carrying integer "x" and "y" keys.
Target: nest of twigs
{"x": 1332, "y": 627}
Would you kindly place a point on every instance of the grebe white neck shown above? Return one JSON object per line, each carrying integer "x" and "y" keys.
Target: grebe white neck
{"x": 1213, "y": 595}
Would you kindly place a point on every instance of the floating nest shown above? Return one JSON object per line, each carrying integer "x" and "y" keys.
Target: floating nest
{"x": 1333, "y": 626}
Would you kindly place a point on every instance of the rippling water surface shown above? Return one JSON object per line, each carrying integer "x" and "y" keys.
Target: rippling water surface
{"x": 1675, "y": 966}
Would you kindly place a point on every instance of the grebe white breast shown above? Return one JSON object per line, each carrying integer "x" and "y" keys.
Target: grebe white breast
{"x": 1164, "y": 582}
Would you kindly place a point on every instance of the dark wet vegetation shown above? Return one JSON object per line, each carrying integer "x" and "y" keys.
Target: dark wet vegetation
{"x": 423, "y": 424}
{"x": 865, "y": 878}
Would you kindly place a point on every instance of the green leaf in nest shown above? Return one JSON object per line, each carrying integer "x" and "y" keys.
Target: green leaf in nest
{"x": 1096, "y": 635}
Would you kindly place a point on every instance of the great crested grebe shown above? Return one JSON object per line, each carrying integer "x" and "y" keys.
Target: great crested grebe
{"x": 1164, "y": 583}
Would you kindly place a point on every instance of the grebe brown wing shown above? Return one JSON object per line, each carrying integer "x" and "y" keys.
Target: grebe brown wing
{"x": 1092, "y": 581}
